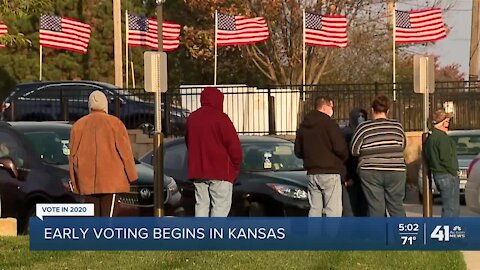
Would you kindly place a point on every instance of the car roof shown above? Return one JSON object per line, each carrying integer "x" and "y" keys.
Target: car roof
{"x": 243, "y": 139}
{"x": 22, "y": 88}
{"x": 44, "y": 83}
{"x": 27, "y": 126}
{"x": 464, "y": 132}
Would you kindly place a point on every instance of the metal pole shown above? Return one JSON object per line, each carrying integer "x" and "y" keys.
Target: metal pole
{"x": 158, "y": 136}
{"x": 394, "y": 75}
{"x": 117, "y": 42}
{"x": 126, "y": 49}
{"x": 427, "y": 190}
{"x": 215, "y": 57}
{"x": 474, "y": 41}
{"x": 41, "y": 53}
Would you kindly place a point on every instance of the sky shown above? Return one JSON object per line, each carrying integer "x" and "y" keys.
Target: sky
{"x": 455, "y": 48}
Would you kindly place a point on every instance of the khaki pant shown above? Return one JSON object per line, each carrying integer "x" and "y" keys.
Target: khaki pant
{"x": 213, "y": 198}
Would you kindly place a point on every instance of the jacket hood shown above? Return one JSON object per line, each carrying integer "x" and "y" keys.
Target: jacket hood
{"x": 312, "y": 118}
{"x": 212, "y": 97}
{"x": 354, "y": 114}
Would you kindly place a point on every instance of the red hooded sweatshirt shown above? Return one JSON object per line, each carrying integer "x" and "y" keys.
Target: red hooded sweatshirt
{"x": 214, "y": 150}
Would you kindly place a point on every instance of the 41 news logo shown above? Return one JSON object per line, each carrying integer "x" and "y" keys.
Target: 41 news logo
{"x": 443, "y": 233}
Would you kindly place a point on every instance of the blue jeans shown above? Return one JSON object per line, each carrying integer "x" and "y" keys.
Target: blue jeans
{"x": 384, "y": 190}
{"x": 325, "y": 195}
{"x": 213, "y": 198}
{"x": 449, "y": 187}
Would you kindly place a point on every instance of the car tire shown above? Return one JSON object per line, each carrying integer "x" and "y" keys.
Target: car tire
{"x": 24, "y": 226}
{"x": 256, "y": 209}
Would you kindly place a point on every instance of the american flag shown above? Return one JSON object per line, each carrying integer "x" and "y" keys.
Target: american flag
{"x": 326, "y": 30}
{"x": 3, "y": 31}
{"x": 64, "y": 33}
{"x": 419, "y": 26}
{"x": 240, "y": 30}
{"x": 142, "y": 31}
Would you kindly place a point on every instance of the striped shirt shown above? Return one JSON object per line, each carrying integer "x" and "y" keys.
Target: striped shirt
{"x": 379, "y": 144}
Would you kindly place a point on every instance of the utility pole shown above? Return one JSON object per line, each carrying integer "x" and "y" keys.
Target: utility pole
{"x": 159, "y": 210}
{"x": 474, "y": 41}
{"x": 117, "y": 42}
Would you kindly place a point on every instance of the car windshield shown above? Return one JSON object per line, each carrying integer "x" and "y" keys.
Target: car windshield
{"x": 270, "y": 156}
{"x": 467, "y": 145}
{"x": 52, "y": 146}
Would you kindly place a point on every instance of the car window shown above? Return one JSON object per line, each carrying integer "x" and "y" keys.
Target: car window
{"x": 174, "y": 158}
{"x": 72, "y": 91}
{"x": 46, "y": 93}
{"x": 467, "y": 145}
{"x": 267, "y": 156}
{"x": 52, "y": 147}
{"x": 10, "y": 147}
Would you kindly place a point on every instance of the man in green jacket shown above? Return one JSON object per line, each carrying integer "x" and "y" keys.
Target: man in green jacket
{"x": 441, "y": 154}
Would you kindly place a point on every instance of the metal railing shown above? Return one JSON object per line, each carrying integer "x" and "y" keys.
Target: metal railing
{"x": 256, "y": 110}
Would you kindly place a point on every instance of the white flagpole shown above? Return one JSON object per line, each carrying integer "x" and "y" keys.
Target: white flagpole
{"x": 304, "y": 61}
{"x": 133, "y": 74}
{"x": 394, "y": 23}
{"x": 126, "y": 48}
{"x": 41, "y": 49}
{"x": 215, "y": 71}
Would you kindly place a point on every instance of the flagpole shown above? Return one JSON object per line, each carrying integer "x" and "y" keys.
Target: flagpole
{"x": 304, "y": 61}
{"x": 126, "y": 49}
{"x": 394, "y": 24}
{"x": 215, "y": 64}
{"x": 41, "y": 49}
{"x": 133, "y": 74}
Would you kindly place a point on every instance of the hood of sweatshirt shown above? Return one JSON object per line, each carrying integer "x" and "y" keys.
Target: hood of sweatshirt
{"x": 212, "y": 97}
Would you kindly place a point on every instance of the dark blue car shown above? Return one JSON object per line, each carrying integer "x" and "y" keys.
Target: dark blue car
{"x": 68, "y": 101}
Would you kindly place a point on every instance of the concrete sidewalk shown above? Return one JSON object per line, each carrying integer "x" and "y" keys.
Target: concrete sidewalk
{"x": 472, "y": 259}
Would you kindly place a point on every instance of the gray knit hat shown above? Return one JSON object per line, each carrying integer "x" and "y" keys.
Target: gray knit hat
{"x": 97, "y": 101}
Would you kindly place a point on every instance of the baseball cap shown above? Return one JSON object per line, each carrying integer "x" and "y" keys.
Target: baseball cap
{"x": 440, "y": 115}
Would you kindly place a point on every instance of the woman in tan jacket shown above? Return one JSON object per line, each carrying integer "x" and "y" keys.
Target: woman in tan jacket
{"x": 101, "y": 160}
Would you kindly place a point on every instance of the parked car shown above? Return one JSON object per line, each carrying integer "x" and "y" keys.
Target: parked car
{"x": 68, "y": 101}
{"x": 468, "y": 146}
{"x": 34, "y": 169}
{"x": 272, "y": 181}
{"x": 472, "y": 187}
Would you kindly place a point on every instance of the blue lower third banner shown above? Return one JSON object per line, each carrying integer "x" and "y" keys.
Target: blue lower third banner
{"x": 89, "y": 233}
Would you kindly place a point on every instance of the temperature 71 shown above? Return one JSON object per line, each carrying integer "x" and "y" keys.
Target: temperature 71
{"x": 408, "y": 240}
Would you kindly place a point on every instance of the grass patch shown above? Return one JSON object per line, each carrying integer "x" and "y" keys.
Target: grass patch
{"x": 15, "y": 254}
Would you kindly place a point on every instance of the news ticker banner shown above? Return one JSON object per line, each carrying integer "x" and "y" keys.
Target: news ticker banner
{"x": 180, "y": 233}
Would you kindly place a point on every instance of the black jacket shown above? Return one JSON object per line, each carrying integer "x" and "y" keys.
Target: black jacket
{"x": 348, "y": 131}
{"x": 321, "y": 145}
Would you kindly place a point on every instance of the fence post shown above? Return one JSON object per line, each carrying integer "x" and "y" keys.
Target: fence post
{"x": 167, "y": 105}
{"x": 64, "y": 106}
{"x": 117, "y": 106}
{"x": 271, "y": 114}
{"x": 12, "y": 110}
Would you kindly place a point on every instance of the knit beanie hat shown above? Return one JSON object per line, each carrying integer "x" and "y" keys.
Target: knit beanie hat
{"x": 97, "y": 101}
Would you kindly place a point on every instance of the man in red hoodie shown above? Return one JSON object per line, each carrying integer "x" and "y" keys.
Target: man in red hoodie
{"x": 214, "y": 155}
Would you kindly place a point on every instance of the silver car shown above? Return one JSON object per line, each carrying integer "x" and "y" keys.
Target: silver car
{"x": 468, "y": 146}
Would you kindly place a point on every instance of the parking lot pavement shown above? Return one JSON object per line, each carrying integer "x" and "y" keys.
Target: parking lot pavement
{"x": 414, "y": 207}
{"x": 416, "y": 210}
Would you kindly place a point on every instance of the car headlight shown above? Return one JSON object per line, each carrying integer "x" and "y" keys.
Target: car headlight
{"x": 289, "y": 191}
{"x": 172, "y": 185}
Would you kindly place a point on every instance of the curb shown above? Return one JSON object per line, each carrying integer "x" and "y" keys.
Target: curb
{"x": 472, "y": 260}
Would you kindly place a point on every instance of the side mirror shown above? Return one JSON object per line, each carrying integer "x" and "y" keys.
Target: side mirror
{"x": 7, "y": 163}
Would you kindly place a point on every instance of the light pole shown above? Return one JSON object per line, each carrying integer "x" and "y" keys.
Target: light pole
{"x": 158, "y": 136}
